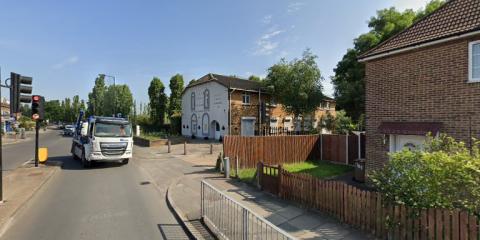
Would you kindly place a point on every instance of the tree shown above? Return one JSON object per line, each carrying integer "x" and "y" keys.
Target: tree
{"x": 255, "y": 78}
{"x": 97, "y": 96}
{"x": 175, "y": 100}
{"x": 158, "y": 101}
{"x": 118, "y": 99}
{"x": 75, "y": 105}
{"x": 296, "y": 84}
{"x": 82, "y": 105}
{"x": 53, "y": 110}
{"x": 339, "y": 124}
{"x": 67, "y": 111}
{"x": 25, "y": 110}
{"x": 349, "y": 79}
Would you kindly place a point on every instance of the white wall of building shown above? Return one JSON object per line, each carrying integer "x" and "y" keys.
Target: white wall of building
{"x": 217, "y": 112}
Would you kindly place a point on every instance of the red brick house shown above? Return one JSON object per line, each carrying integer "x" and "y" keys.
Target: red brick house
{"x": 424, "y": 79}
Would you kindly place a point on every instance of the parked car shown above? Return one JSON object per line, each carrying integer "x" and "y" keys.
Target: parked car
{"x": 69, "y": 130}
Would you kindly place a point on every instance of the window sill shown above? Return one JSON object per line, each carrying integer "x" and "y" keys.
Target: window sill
{"x": 474, "y": 80}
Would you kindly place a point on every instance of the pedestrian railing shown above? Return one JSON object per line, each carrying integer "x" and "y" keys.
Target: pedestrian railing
{"x": 231, "y": 220}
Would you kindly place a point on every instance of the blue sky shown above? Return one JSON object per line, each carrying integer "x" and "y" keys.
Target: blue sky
{"x": 63, "y": 45}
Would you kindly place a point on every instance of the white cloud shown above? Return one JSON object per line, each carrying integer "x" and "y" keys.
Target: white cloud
{"x": 294, "y": 6}
{"x": 409, "y": 4}
{"x": 266, "y": 44}
{"x": 267, "y": 19}
{"x": 69, "y": 61}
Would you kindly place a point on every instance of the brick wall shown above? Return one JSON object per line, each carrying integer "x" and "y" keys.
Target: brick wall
{"x": 240, "y": 110}
{"x": 428, "y": 84}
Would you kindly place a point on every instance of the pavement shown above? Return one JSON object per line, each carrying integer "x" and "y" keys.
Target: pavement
{"x": 108, "y": 201}
{"x": 184, "y": 193}
{"x": 20, "y": 186}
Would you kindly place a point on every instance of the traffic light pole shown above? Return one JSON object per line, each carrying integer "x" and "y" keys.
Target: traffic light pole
{"x": 37, "y": 128}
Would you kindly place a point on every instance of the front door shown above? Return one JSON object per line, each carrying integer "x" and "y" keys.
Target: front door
{"x": 248, "y": 127}
{"x": 217, "y": 131}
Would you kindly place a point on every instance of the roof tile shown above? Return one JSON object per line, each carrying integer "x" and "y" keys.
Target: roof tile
{"x": 454, "y": 18}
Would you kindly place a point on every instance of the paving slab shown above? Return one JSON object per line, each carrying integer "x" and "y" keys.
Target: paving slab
{"x": 19, "y": 187}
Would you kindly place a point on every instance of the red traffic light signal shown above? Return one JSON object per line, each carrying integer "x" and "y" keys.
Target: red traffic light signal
{"x": 38, "y": 108}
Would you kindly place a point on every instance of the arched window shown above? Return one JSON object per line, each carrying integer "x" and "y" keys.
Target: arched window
{"x": 194, "y": 124}
{"x": 206, "y": 99}
{"x": 192, "y": 101}
{"x": 205, "y": 124}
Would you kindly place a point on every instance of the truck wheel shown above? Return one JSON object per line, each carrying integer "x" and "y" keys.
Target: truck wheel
{"x": 73, "y": 152}
{"x": 125, "y": 161}
{"x": 85, "y": 162}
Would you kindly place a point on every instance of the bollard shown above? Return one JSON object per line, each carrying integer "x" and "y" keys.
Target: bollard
{"x": 226, "y": 165}
{"x": 185, "y": 148}
{"x": 169, "y": 146}
{"x": 211, "y": 148}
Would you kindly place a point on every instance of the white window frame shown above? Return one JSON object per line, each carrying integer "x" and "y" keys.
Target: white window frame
{"x": 244, "y": 96}
{"x": 470, "y": 62}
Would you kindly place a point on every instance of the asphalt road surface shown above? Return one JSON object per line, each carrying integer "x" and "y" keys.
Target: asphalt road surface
{"x": 14, "y": 155}
{"x": 109, "y": 201}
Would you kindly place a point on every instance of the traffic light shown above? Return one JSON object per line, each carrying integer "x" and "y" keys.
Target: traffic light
{"x": 38, "y": 107}
{"x": 19, "y": 86}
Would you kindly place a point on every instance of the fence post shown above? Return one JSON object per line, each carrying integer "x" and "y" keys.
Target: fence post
{"x": 346, "y": 149}
{"x": 280, "y": 172}
{"x": 211, "y": 148}
{"x": 360, "y": 146}
{"x": 259, "y": 174}
{"x": 321, "y": 146}
{"x": 245, "y": 224}
{"x": 202, "y": 197}
{"x": 169, "y": 146}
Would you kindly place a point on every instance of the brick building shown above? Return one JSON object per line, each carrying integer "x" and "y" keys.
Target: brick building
{"x": 424, "y": 79}
{"x": 215, "y": 105}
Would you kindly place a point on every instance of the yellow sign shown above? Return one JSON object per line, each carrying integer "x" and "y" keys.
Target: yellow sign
{"x": 42, "y": 154}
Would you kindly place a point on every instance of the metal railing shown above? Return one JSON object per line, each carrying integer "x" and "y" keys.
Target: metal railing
{"x": 231, "y": 220}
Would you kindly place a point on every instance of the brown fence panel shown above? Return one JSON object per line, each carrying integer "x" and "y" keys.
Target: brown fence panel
{"x": 271, "y": 149}
{"x": 365, "y": 210}
{"x": 334, "y": 148}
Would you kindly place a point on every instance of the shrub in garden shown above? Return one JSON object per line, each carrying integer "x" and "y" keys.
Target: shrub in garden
{"x": 446, "y": 174}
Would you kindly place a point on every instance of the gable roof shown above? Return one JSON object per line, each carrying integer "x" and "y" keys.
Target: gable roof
{"x": 455, "y": 18}
{"x": 229, "y": 82}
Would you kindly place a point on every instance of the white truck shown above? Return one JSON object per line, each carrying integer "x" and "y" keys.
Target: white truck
{"x": 102, "y": 139}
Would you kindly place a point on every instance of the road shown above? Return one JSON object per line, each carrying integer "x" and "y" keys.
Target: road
{"x": 14, "y": 155}
{"x": 109, "y": 201}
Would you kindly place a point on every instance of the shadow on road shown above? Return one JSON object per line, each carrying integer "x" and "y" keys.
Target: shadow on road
{"x": 68, "y": 163}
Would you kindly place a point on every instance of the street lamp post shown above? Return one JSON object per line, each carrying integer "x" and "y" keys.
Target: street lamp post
{"x": 114, "y": 93}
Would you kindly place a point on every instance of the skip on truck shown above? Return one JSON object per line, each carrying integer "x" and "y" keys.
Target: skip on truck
{"x": 102, "y": 139}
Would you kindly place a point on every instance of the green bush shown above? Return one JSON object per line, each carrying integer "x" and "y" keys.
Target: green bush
{"x": 25, "y": 122}
{"x": 446, "y": 174}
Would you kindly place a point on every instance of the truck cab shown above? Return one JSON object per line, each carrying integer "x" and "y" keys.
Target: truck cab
{"x": 103, "y": 139}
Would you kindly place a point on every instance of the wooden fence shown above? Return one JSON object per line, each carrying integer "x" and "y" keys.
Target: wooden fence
{"x": 292, "y": 149}
{"x": 366, "y": 211}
